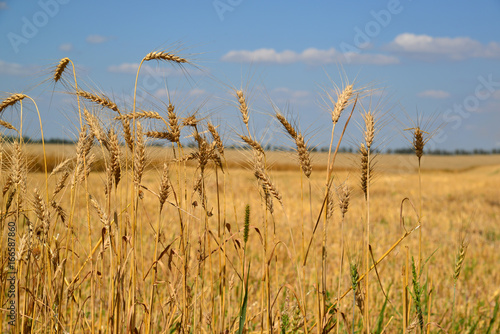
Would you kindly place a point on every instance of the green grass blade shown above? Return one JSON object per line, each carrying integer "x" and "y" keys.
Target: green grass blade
{"x": 243, "y": 311}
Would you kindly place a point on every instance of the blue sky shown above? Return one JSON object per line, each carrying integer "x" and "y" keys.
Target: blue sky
{"x": 438, "y": 57}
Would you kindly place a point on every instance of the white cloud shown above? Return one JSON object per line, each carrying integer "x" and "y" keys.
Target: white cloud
{"x": 310, "y": 56}
{"x": 430, "y": 48}
{"x": 282, "y": 95}
{"x": 3, "y": 5}
{"x": 97, "y": 39}
{"x": 15, "y": 69}
{"x": 434, "y": 94}
{"x": 496, "y": 95}
{"x": 66, "y": 47}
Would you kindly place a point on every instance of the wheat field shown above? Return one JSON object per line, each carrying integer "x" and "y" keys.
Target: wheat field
{"x": 112, "y": 235}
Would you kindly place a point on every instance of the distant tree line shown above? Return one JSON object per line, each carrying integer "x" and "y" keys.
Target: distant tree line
{"x": 269, "y": 147}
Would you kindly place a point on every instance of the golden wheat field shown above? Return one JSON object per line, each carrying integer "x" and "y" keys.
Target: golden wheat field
{"x": 111, "y": 235}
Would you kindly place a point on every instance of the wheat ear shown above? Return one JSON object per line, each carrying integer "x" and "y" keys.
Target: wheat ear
{"x": 101, "y": 100}
{"x": 140, "y": 156}
{"x": 60, "y": 69}
{"x": 11, "y": 100}
{"x": 161, "y": 55}
{"x": 243, "y": 106}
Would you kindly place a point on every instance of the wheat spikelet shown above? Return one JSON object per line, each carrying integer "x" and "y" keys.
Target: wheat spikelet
{"x": 342, "y": 102}
{"x": 61, "y": 182}
{"x": 164, "y": 186}
{"x": 288, "y": 127}
{"x": 96, "y": 128}
{"x": 7, "y": 125}
{"x": 62, "y": 166}
{"x": 243, "y": 106}
{"x": 7, "y": 185}
{"x": 11, "y": 100}
{"x": 418, "y": 142}
{"x": 139, "y": 115}
{"x": 216, "y": 137}
{"x": 364, "y": 168}
{"x": 60, "y": 69}
{"x": 9, "y": 200}
{"x": 269, "y": 199}
{"x": 140, "y": 156}
{"x": 114, "y": 150}
{"x": 161, "y": 55}
{"x": 344, "y": 195}
{"x": 100, "y": 212}
{"x": 304, "y": 159}
{"x": 60, "y": 211}
{"x": 268, "y": 185}
{"x": 190, "y": 121}
{"x": 16, "y": 165}
{"x": 23, "y": 247}
{"x": 83, "y": 146}
{"x": 127, "y": 134}
{"x": 369, "y": 129}
{"x": 252, "y": 143}
{"x": 462, "y": 250}
{"x": 103, "y": 101}
{"x": 329, "y": 204}
{"x": 160, "y": 135}
{"x": 204, "y": 151}
{"x": 41, "y": 211}
{"x": 174, "y": 123}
